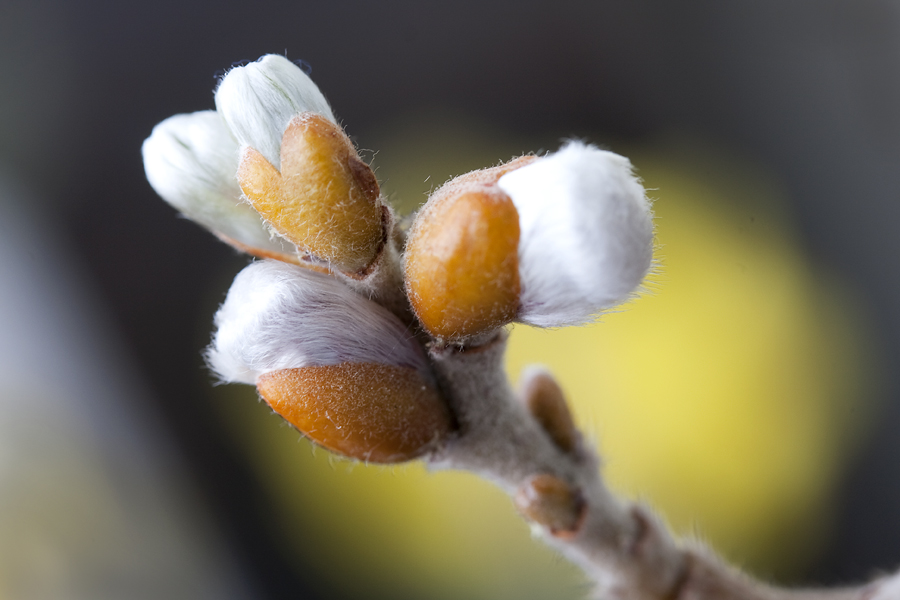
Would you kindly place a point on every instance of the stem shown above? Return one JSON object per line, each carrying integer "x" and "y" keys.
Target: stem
{"x": 383, "y": 281}
{"x": 623, "y": 547}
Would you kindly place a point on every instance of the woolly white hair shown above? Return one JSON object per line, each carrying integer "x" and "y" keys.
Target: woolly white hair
{"x": 191, "y": 161}
{"x": 889, "y": 589}
{"x": 258, "y": 101}
{"x": 281, "y": 316}
{"x": 586, "y": 239}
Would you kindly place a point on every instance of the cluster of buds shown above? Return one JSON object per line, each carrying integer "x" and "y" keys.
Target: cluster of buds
{"x": 270, "y": 172}
{"x": 544, "y": 240}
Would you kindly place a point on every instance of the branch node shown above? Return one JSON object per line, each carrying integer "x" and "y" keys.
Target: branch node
{"x": 553, "y": 504}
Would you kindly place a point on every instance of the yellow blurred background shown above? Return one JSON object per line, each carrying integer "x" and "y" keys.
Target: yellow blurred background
{"x": 729, "y": 396}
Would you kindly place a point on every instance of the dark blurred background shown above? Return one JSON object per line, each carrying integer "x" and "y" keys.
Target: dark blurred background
{"x": 809, "y": 91}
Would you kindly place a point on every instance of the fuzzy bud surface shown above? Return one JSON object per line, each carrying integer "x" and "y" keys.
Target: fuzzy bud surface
{"x": 462, "y": 275}
{"x": 259, "y": 99}
{"x": 325, "y": 199}
{"x": 372, "y": 412}
{"x": 280, "y": 316}
{"x": 190, "y": 161}
{"x": 337, "y": 366}
{"x": 586, "y": 234}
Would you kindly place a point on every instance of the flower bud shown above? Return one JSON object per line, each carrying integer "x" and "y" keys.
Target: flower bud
{"x": 462, "y": 273}
{"x": 552, "y": 503}
{"x": 547, "y": 241}
{"x": 373, "y": 412}
{"x": 586, "y": 234}
{"x": 325, "y": 199}
{"x": 547, "y": 404}
{"x": 340, "y": 368}
{"x": 259, "y": 99}
{"x": 190, "y": 161}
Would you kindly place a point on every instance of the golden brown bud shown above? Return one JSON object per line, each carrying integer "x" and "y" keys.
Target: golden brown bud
{"x": 553, "y": 503}
{"x": 325, "y": 199}
{"x": 547, "y": 404}
{"x": 462, "y": 268}
{"x": 372, "y": 412}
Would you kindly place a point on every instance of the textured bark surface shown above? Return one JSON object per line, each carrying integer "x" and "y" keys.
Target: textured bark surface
{"x": 529, "y": 449}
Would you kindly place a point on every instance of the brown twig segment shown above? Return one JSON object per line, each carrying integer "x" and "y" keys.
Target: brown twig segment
{"x": 500, "y": 440}
{"x": 624, "y": 548}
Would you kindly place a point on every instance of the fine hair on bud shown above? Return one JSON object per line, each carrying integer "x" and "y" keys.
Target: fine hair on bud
{"x": 324, "y": 199}
{"x": 280, "y": 316}
{"x": 586, "y": 234}
{"x": 259, "y": 99}
{"x": 461, "y": 271}
{"x": 190, "y": 161}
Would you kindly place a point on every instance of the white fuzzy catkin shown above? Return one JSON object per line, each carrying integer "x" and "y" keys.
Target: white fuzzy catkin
{"x": 586, "y": 239}
{"x": 281, "y": 316}
{"x": 190, "y": 161}
{"x": 258, "y": 101}
{"x": 888, "y": 589}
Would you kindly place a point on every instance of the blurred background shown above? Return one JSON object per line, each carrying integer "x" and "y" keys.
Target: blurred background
{"x": 750, "y": 396}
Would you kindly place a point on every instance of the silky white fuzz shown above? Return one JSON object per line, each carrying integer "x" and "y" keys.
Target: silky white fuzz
{"x": 280, "y": 316}
{"x": 887, "y": 589}
{"x": 258, "y": 101}
{"x": 191, "y": 161}
{"x": 586, "y": 239}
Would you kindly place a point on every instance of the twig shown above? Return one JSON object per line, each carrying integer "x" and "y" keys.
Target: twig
{"x": 623, "y": 547}
{"x": 339, "y": 346}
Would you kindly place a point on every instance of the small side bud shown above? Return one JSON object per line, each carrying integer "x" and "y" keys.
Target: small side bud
{"x": 325, "y": 199}
{"x": 586, "y": 234}
{"x": 190, "y": 161}
{"x": 461, "y": 270}
{"x": 547, "y": 404}
{"x": 551, "y": 502}
{"x": 339, "y": 367}
{"x": 259, "y": 99}
{"x": 372, "y": 412}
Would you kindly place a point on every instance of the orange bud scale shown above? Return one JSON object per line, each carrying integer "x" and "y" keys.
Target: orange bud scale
{"x": 372, "y": 412}
{"x": 325, "y": 199}
{"x": 462, "y": 267}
